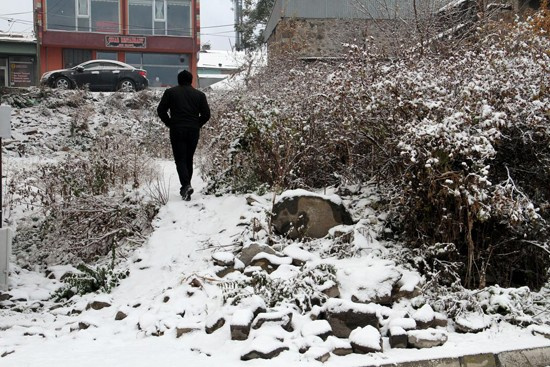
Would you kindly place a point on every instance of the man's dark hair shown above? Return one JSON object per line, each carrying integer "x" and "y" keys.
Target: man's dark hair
{"x": 185, "y": 78}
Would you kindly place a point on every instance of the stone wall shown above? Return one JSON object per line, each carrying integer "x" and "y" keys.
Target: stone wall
{"x": 319, "y": 38}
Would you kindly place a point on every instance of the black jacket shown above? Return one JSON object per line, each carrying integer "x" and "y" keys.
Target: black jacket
{"x": 188, "y": 107}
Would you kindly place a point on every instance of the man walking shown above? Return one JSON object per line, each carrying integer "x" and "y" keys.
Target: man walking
{"x": 189, "y": 111}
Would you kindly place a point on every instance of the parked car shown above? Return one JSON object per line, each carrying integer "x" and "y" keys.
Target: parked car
{"x": 98, "y": 75}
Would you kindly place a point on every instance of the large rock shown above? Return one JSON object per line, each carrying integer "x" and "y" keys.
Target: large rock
{"x": 366, "y": 340}
{"x": 253, "y": 249}
{"x": 345, "y": 316}
{"x": 264, "y": 347}
{"x": 299, "y": 214}
{"x": 241, "y": 323}
{"x": 426, "y": 338}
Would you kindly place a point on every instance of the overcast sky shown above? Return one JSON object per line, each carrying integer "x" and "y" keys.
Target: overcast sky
{"x": 216, "y": 20}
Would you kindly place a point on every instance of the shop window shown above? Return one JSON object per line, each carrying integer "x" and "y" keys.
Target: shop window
{"x": 61, "y": 15}
{"x": 162, "y": 69}
{"x": 160, "y": 17}
{"x": 73, "y": 57}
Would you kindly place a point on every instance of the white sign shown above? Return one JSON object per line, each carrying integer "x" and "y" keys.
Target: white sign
{"x": 5, "y": 122}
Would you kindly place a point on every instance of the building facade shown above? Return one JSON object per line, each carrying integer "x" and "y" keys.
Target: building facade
{"x": 160, "y": 36}
{"x": 18, "y": 66}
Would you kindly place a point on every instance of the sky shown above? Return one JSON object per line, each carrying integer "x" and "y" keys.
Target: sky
{"x": 216, "y": 20}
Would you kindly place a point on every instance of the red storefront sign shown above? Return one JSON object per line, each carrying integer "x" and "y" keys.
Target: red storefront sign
{"x": 125, "y": 41}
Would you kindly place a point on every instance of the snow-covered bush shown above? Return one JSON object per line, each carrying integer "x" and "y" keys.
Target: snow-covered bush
{"x": 462, "y": 139}
{"x": 86, "y": 205}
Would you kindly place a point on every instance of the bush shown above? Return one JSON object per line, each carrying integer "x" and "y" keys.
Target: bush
{"x": 461, "y": 139}
{"x": 88, "y": 204}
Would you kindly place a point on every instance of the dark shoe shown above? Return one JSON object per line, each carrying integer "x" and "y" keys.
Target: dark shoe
{"x": 186, "y": 193}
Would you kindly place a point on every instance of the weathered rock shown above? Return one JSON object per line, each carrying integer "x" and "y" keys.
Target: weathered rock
{"x": 224, "y": 271}
{"x": 540, "y": 330}
{"x": 366, "y": 340}
{"x": 120, "y": 316}
{"x": 4, "y": 296}
{"x": 343, "y": 233}
{"x": 223, "y": 258}
{"x": 214, "y": 324}
{"x": 299, "y": 256}
{"x": 345, "y": 316}
{"x": 264, "y": 347}
{"x": 340, "y": 347}
{"x": 248, "y": 252}
{"x": 424, "y": 317}
{"x": 240, "y": 324}
{"x": 472, "y": 323}
{"x": 330, "y": 289}
{"x": 98, "y": 305}
{"x": 426, "y": 338}
{"x": 300, "y": 214}
{"x": 440, "y": 320}
{"x": 269, "y": 262}
{"x": 284, "y": 319}
{"x": 398, "y": 337}
{"x": 83, "y": 325}
{"x": 320, "y": 354}
{"x": 185, "y": 330}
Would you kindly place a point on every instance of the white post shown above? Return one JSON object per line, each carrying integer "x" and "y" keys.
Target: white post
{"x": 5, "y": 252}
{"x": 5, "y": 233}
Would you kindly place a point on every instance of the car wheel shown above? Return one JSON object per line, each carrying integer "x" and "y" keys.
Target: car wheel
{"x": 62, "y": 83}
{"x": 126, "y": 85}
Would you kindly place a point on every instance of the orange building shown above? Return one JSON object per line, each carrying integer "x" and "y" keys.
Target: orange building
{"x": 160, "y": 36}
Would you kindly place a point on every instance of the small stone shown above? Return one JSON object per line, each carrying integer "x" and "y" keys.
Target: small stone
{"x": 185, "y": 330}
{"x": 264, "y": 347}
{"x": 277, "y": 318}
{"x": 398, "y": 337}
{"x": 424, "y": 317}
{"x": 120, "y": 316}
{"x": 98, "y": 305}
{"x": 240, "y": 324}
{"x": 214, "y": 325}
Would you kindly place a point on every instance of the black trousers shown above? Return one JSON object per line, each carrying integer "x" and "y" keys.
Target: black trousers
{"x": 184, "y": 142}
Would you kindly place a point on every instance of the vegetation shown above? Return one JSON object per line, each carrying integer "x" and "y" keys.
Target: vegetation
{"x": 458, "y": 138}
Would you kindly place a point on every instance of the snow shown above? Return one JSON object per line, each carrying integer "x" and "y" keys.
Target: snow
{"x": 273, "y": 259}
{"x": 289, "y": 194}
{"x": 424, "y": 314}
{"x": 317, "y": 327}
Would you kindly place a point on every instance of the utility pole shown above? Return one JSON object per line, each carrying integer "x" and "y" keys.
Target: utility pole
{"x": 238, "y": 24}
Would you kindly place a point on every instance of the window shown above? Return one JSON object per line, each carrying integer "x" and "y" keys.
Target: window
{"x": 105, "y": 17}
{"x": 160, "y": 17}
{"x": 73, "y": 57}
{"x": 100, "y": 16}
{"x": 162, "y": 69}
{"x": 61, "y": 15}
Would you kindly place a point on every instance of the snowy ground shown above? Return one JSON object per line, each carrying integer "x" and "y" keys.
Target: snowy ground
{"x": 158, "y": 288}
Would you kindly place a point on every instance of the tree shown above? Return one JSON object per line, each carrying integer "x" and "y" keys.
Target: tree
{"x": 252, "y": 21}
